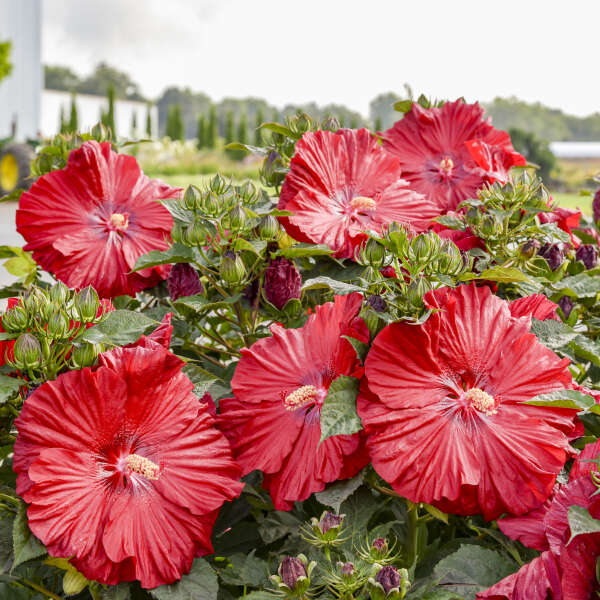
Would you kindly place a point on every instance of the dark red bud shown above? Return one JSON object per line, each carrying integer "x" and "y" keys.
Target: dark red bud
{"x": 282, "y": 282}
{"x": 291, "y": 568}
{"x": 329, "y": 520}
{"x": 588, "y": 255}
{"x": 183, "y": 280}
{"x": 389, "y": 578}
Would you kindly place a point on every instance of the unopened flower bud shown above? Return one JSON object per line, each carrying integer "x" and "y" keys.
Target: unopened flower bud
{"x": 389, "y": 271}
{"x": 211, "y": 205}
{"x": 218, "y": 184}
{"x": 58, "y": 325}
{"x": 347, "y": 569}
{"x": 268, "y": 228}
{"x": 27, "y": 351}
{"x": 388, "y": 577}
{"x": 422, "y": 248}
{"x": 59, "y": 293}
{"x": 86, "y": 303}
{"x": 35, "y": 300}
{"x": 529, "y": 248}
{"x": 379, "y": 546}
{"x": 588, "y": 255}
{"x": 272, "y": 166}
{"x": 177, "y": 234}
{"x": 248, "y": 192}
{"x": 301, "y": 124}
{"x": 389, "y": 583}
{"x": 282, "y": 282}
{"x": 100, "y": 132}
{"x": 183, "y": 280}
{"x": 195, "y": 234}
{"x": 372, "y": 253}
{"x": 84, "y": 355}
{"x": 15, "y": 319}
{"x": 232, "y": 269}
{"x": 553, "y": 254}
{"x": 488, "y": 226}
{"x": 377, "y": 303}
{"x": 331, "y": 124}
{"x": 192, "y": 198}
{"x": 237, "y": 217}
{"x": 329, "y": 521}
{"x": 566, "y": 304}
{"x": 291, "y": 570}
{"x": 74, "y": 582}
{"x": 596, "y": 206}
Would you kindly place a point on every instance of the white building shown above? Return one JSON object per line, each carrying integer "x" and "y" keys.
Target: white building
{"x": 89, "y": 108}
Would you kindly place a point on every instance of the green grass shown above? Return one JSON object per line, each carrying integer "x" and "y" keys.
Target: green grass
{"x": 185, "y": 180}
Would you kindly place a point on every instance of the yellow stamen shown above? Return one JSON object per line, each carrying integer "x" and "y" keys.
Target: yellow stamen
{"x": 119, "y": 221}
{"x": 303, "y": 395}
{"x": 447, "y": 164}
{"x": 482, "y": 401}
{"x": 362, "y": 203}
{"x": 142, "y": 465}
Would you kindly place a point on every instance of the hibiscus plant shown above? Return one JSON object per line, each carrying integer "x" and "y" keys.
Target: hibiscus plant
{"x": 374, "y": 374}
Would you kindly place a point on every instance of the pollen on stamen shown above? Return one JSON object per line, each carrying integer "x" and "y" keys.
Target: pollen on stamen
{"x": 362, "y": 203}
{"x": 482, "y": 401}
{"x": 303, "y": 395}
{"x": 446, "y": 164}
{"x": 119, "y": 221}
{"x": 142, "y": 465}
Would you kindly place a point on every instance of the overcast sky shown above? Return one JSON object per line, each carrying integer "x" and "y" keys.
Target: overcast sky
{"x": 343, "y": 51}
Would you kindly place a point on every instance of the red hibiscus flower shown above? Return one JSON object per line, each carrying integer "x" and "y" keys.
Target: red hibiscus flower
{"x": 566, "y": 569}
{"x": 445, "y": 414}
{"x": 89, "y": 223}
{"x": 280, "y": 383}
{"x": 566, "y": 219}
{"x": 536, "y": 306}
{"x": 342, "y": 184}
{"x": 449, "y": 153}
{"x": 122, "y": 467}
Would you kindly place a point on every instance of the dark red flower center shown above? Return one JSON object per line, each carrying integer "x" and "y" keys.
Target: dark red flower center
{"x": 304, "y": 396}
{"x": 119, "y": 221}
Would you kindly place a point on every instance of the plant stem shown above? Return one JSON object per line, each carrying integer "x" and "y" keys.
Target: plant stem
{"x": 412, "y": 518}
{"x": 40, "y": 589}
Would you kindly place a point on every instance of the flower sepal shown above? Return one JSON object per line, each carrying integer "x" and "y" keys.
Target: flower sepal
{"x": 293, "y": 576}
{"x": 389, "y": 583}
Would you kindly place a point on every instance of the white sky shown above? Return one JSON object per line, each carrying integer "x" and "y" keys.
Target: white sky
{"x": 343, "y": 51}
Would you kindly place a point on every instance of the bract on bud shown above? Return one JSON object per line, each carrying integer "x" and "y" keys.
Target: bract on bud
{"x": 389, "y": 584}
{"x": 192, "y": 198}
{"x": 331, "y": 124}
{"x": 553, "y": 254}
{"x": 248, "y": 192}
{"x": 100, "y": 132}
{"x": 27, "y": 352}
{"x": 377, "y": 303}
{"x": 35, "y": 300}
{"x": 293, "y": 578}
{"x": 195, "y": 234}
{"x": 211, "y": 205}
{"x": 232, "y": 269}
{"x": 268, "y": 228}
{"x": 58, "y": 325}
{"x": 15, "y": 319}
{"x": 272, "y": 166}
{"x": 86, "y": 303}
{"x": 218, "y": 184}
{"x": 237, "y": 217}
{"x": 59, "y": 293}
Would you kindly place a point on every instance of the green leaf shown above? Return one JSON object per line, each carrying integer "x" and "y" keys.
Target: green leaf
{"x": 256, "y": 150}
{"x": 472, "y": 569}
{"x": 580, "y": 521}
{"x": 450, "y": 221}
{"x": 338, "y": 413}
{"x": 200, "y": 584}
{"x": 403, "y": 106}
{"x": 178, "y": 253}
{"x": 360, "y": 348}
{"x": 245, "y": 569}
{"x": 8, "y": 251}
{"x": 278, "y": 128}
{"x": 359, "y": 508}
{"x": 499, "y": 274}
{"x": 6, "y": 542}
{"x": 304, "y": 250}
{"x": 25, "y": 545}
{"x": 201, "y": 379}
{"x": 120, "y": 327}
{"x": 9, "y": 386}
{"x": 579, "y": 286}
{"x": 338, "y": 287}
{"x": 436, "y": 513}
{"x": 199, "y": 303}
{"x": 278, "y": 524}
{"x": 338, "y": 492}
{"x": 564, "y": 399}
{"x": 553, "y": 334}
{"x": 178, "y": 211}
{"x": 587, "y": 349}
{"x": 256, "y": 246}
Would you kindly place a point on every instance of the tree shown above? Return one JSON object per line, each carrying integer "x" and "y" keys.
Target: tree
{"x": 108, "y": 117}
{"x": 104, "y": 77}
{"x": 258, "y": 137}
{"x": 353, "y": 123}
{"x": 535, "y": 150}
{"x": 378, "y": 124}
{"x": 60, "y": 78}
{"x": 201, "y": 132}
{"x": 148, "y": 121}
{"x": 63, "y": 125}
{"x": 73, "y": 116}
{"x": 382, "y": 108}
{"x": 175, "y": 123}
{"x": 5, "y": 64}
{"x": 229, "y": 132}
{"x": 212, "y": 134}
{"x": 134, "y": 131}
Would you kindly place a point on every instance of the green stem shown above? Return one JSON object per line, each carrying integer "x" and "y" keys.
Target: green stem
{"x": 40, "y": 589}
{"x": 412, "y": 520}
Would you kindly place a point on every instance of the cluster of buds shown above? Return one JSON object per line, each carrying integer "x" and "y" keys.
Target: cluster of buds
{"x": 43, "y": 325}
{"x": 293, "y": 576}
{"x": 326, "y": 531}
{"x": 389, "y": 583}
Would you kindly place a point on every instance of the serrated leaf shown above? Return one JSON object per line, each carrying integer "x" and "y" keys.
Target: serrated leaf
{"x": 8, "y": 251}
{"x": 338, "y": 413}
{"x": 200, "y": 584}
{"x": 25, "y": 545}
{"x": 9, "y": 386}
{"x": 298, "y": 250}
{"x": 499, "y": 274}
{"x": 336, "y": 493}
{"x": 587, "y": 349}
{"x": 338, "y": 287}
{"x": 201, "y": 379}
{"x": 472, "y": 569}
{"x": 553, "y": 334}
{"x": 564, "y": 399}
{"x": 120, "y": 327}
{"x": 580, "y": 522}
{"x": 178, "y": 253}
{"x": 579, "y": 286}
{"x": 360, "y": 348}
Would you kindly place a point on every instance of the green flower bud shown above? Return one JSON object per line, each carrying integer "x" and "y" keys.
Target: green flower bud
{"x": 27, "y": 352}
{"x": 192, "y": 198}
{"x": 59, "y": 293}
{"x": 398, "y": 236}
{"x": 416, "y": 291}
{"x": 100, "y": 132}
{"x": 268, "y": 228}
{"x": 84, "y": 355}
{"x": 331, "y": 124}
{"x": 15, "y": 319}
{"x": 423, "y": 248}
{"x": 211, "y": 205}
{"x": 273, "y": 166}
{"x": 327, "y": 529}
{"x": 488, "y": 226}
{"x": 237, "y": 217}
{"x": 177, "y": 233}
{"x": 389, "y": 584}
{"x": 248, "y": 192}
{"x": 86, "y": 304}
{"x": 219, "y": 184}
{"x": 372, "y": 253}
{"x": 35, "y": 300}
{"x": 195, "y": 234}
{"x": 57, "y": 325}
{"x": 74, "y": 582}
{"x": 232, "y": 269}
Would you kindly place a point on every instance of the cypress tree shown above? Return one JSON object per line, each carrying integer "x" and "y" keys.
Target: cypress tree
{"x": 258, "y": 138}
{"x": 134, "y": 124}
{"x": 108, "y": 117}
{"x": 378, "y": 124}
{"x": 148, "y": 122}
{"x": 354, "y": 123}
{"x": 212, "y": 134}
{"x": 242, "y": 135}
{"x": 201, "y": 132}
{"x": 178, "y": 123}
{"x": 73, "y": 117}
{"x": 63, "y": 127}
{"x": 229, "y": 132}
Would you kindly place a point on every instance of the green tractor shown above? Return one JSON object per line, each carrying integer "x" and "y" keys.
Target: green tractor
{"x": 15, "y": 161}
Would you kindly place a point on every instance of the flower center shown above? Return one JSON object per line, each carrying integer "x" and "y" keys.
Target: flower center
{"x": 482, "y": 401}
{"x": 307, "y": 394}
{"x": 119, "y": 221}
{"x": 142, "y": 465}
{"x": 446, "y": 165}
{"x": 362, "y": 203}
